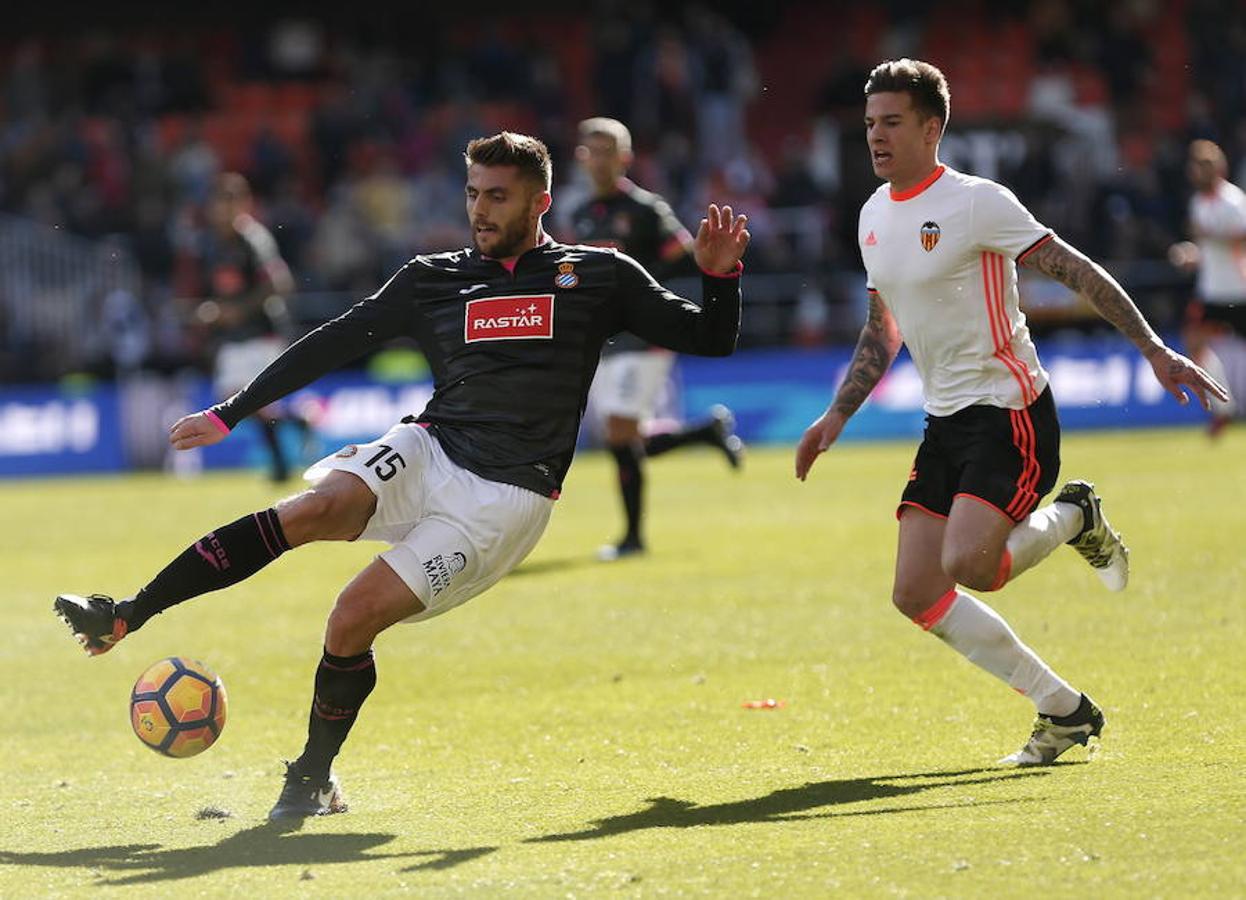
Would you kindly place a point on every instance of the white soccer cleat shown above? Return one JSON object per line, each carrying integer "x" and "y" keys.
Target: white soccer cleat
{"x": 1098, "y": 542}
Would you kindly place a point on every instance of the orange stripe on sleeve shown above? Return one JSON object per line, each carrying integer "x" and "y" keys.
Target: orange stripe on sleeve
{"x": 1034, "y": 246}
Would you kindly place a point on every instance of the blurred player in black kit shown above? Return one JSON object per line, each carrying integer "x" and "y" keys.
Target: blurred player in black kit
{"x": 246, "y": 280}
{"x": 633, "y": 371}
{"x": 513, "y": 328}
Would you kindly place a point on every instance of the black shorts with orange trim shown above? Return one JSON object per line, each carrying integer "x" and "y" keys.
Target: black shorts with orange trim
{"x": 1005, "y": 458}
{"x": 1223, "y": 317}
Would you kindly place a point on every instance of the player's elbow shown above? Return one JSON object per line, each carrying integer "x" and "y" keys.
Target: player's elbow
{"x": 720, "y": 342}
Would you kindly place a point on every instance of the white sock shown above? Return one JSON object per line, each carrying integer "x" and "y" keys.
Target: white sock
{"x": 1225, "y": 363}
{"x": 1039, "y": 533}
{"x": 977, "y": 632}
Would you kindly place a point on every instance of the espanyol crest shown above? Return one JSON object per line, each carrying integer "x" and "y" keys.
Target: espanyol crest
{"x": 930, "y": 235}
{"x": 566, "y": 277}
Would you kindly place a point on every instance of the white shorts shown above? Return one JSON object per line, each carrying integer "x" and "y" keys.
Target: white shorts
{"x": 629, "y": 385}
{"x": 237, "y": 362}
{"x": 453, "y": 533}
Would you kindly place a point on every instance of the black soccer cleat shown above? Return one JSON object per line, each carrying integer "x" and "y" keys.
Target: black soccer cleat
{"x": 304, "y": 796}
{"x": 1098, "y": 542}
{"x": 1050, "y": 738}
{"x": 93, "y": 620}
{"x": 615, "y": 552}
{"x": 723, "y": 436}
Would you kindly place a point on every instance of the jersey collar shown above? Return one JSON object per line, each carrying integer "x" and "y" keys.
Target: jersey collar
{"x": 1214, "y": 190}
{"x": 622, "y": 187}
{"x": 900, "y": 196}
{"x": 509, "y": 264}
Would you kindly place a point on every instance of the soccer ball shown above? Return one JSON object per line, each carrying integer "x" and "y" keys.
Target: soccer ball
{"x": 177, "y": 707}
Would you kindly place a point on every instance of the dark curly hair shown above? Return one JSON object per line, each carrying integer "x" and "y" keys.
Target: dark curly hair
{"x": 924, "y": 83}
{"x": 506, "y": 148}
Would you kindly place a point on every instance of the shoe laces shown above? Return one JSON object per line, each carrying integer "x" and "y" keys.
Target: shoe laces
{"x": 1097, "y": 546}
{"x": 1040, "y": 728}
{"x": 300, "y": 780}
{"x": 1047, "y": 732}
{"x": 296, "y": 781}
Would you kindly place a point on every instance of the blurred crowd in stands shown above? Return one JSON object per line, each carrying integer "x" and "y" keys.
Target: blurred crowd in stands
{"x": 351, "y": 130}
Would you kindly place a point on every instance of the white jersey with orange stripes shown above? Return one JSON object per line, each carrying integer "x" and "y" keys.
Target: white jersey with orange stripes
{"x": 943, "y": 257}
{"x": 1218, "y": 218}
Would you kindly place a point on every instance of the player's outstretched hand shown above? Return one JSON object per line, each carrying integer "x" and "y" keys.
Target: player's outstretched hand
{"x": 195, "y": 430}
{"x": 1175, "y": 371}
{"x": 721, "y": 240}
{"x": 816, "y": 439}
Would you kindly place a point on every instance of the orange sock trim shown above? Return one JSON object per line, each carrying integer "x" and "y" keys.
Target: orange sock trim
{"x": 1005, "y": 571}
{"x": 930, "y": 618}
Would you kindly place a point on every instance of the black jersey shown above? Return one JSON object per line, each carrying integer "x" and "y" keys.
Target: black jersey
{"x": 642, "y": 225}
{"x": 240, "y": 270}
{"x": 512, "y": 353}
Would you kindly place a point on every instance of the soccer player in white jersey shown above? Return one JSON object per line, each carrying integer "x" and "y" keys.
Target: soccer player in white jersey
{"x": 1215, "y": 332}
{"x": 941, "y": 250}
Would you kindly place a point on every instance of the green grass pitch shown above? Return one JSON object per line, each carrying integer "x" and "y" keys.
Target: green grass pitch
{"x": 579, "y": 730}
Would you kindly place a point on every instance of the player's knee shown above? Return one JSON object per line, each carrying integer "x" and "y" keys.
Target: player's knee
{"x": 911, "y": 600}
{"x": 972, "y": 568}
{"x": 621, "y": 430}
{"x": 336, "y": 509}
{"x": 354, "y": 623}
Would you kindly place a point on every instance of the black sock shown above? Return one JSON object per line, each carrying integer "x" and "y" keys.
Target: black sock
{"x": 280, "y": 469}
{"x": 631, "y": 486}
{"x": 303, "y": 426}
{"x": 217, "y": 560}
{"x": 657, "y": 444}
{"x": 342, "y": 684}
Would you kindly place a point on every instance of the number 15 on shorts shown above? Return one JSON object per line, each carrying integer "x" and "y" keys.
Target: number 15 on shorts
{"x": 386, "y": 462}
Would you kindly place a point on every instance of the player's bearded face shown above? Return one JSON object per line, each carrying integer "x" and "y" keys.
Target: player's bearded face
{"x": 503, "y": 209}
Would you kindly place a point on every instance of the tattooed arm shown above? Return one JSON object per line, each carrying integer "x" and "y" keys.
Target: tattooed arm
{"x": 1075, "y": 271}
{"x": 876, "y": 349}
{"x": 1059, "y": 261}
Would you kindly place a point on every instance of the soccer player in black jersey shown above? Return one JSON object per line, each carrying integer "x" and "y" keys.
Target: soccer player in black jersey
{"x": 633, "y": 371}
{"x": 512, "y": 327}
{"x": 242, "y": 274}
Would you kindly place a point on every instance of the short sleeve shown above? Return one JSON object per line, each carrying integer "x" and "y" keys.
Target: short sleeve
{"x": 674, "y": 240}
{"x": 668, "y": 225}
{"x": 864, "y": 239}
{"x": 1223, "y": 216}
{"x": 259, "y": 241}
{"x": 1002, "y": 224}
{"x": 266, "y": 256}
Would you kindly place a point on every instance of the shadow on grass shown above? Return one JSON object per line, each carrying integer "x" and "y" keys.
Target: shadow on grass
{"x": 545, "y": 566}
{"x": 263, "y": 845}
{"x": 272, "y": 844}
{"x": 809, "y": 801}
